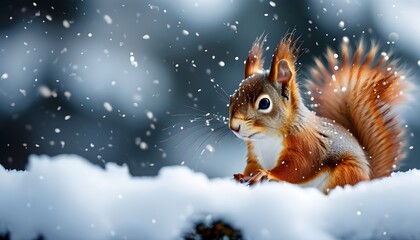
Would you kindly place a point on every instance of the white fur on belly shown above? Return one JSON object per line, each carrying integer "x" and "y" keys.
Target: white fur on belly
{"x": 268, "y": 151}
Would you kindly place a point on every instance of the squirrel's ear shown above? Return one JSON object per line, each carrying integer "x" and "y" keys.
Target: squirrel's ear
{"x": 281, "y": 75}
{"x": 283, "y": 63}
{"x": 284, "y": 59}
{"x": 255, "y": 61}
{"x": 281, "y": 72}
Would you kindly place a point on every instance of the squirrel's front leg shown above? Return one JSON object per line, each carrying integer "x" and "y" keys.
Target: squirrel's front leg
{"x": 252, "y": 168}
{"x": 241, "y": 178}
{"x": 262, "y": 176}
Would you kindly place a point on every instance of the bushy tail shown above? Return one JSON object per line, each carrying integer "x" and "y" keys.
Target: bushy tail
{"x": 360, "y": 91}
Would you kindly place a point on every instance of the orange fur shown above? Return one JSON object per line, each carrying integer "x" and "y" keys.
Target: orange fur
{"x": 346, "y": 172}
{"x": 288, "y": 50}
{"x": 294, "y": 164}
{"x": 255, "y": 60}
{"x": 360, "y": 93}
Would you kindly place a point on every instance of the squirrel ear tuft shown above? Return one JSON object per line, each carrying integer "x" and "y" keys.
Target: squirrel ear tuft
{"x": 284, "y": 59}
{"x": 255, "y": 61}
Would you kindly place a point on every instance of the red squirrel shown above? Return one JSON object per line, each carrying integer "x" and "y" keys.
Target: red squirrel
{"x": 352, "y": 135}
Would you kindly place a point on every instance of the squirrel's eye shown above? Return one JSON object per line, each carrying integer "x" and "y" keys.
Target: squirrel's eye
{"x": 264, "y": 104}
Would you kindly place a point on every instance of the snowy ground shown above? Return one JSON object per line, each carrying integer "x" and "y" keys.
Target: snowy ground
{"x": 65, "y": 197}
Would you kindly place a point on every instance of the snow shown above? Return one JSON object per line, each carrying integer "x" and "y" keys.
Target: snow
{"x": 185, "y": 32}
{"x": 107, "y": 19}
{"x": 66, "y": 23}
{"x": 108, "y": 106}
{"x": 65, "y": 197}
{"x": 4, "y": 76}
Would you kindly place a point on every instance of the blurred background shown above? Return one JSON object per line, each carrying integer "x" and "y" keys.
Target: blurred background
{"x": 146, "y": 83}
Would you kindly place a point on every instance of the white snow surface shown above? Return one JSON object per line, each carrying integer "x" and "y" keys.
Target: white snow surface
{"x": 66, "y": 197}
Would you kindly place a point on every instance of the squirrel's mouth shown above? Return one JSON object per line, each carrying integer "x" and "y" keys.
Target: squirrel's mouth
{"x": 252, "y": 135}
{"x": 248, "y": 137}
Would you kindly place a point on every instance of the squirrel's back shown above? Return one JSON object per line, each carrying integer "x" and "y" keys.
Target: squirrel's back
{"x": 360, "y": 90}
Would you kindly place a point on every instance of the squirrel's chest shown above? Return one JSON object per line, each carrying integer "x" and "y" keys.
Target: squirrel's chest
{"x": 267, "y": 151}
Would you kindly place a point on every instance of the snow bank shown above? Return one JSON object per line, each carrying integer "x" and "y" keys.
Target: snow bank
{"x": 65, "y": 197}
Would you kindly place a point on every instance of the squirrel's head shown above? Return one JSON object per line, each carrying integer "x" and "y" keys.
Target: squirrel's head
{"x": 266, "y": 101}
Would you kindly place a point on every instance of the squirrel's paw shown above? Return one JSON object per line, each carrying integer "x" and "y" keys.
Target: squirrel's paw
{"x": 262, "y": 176}
{"x": 241, "y": 178}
